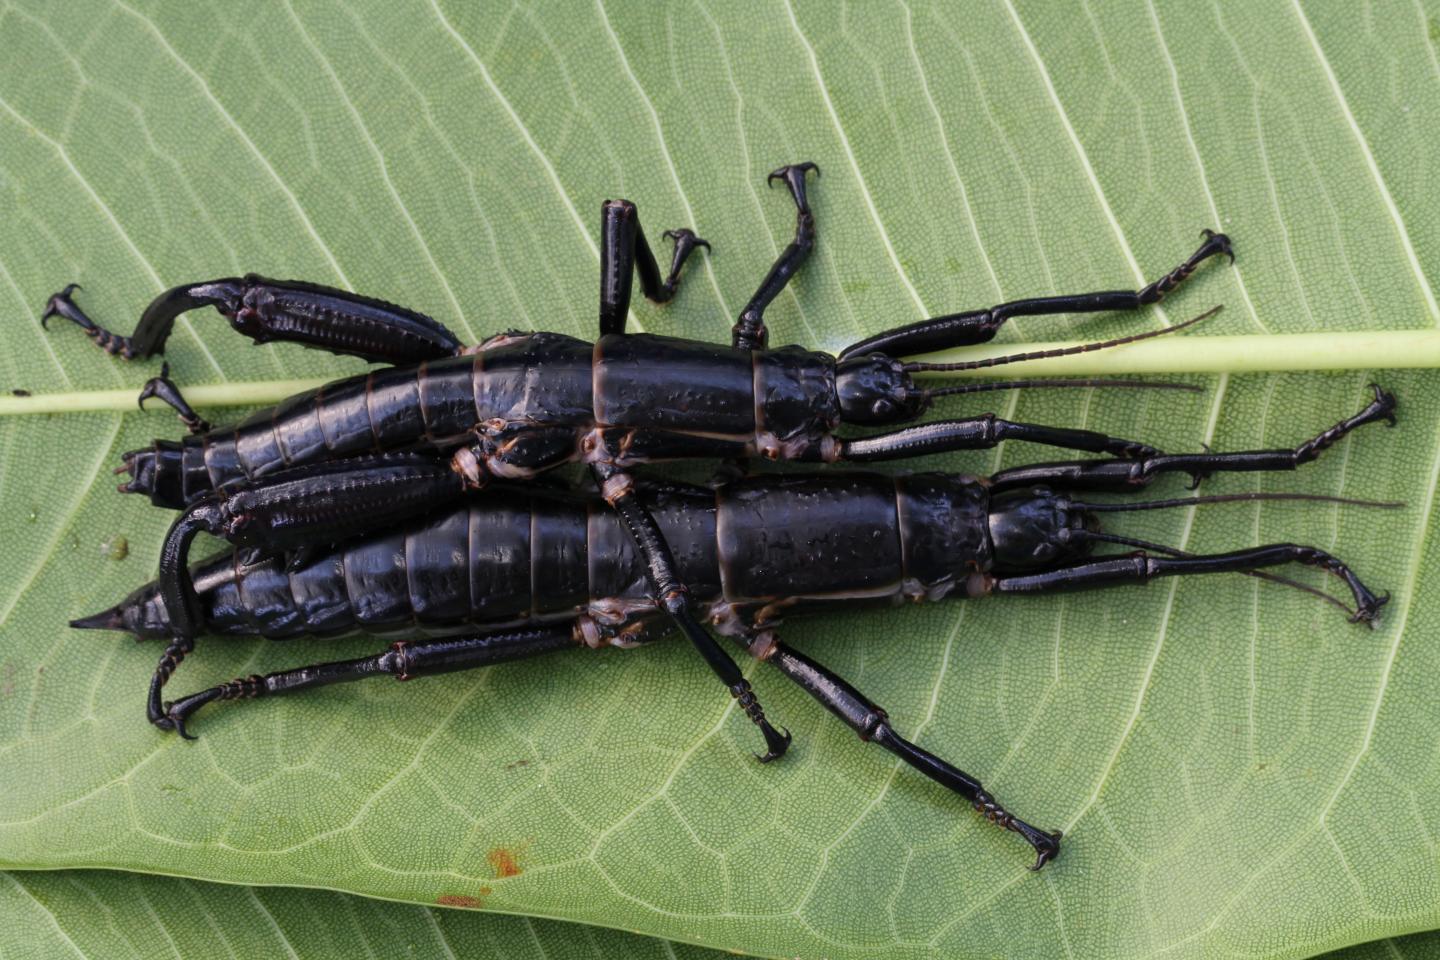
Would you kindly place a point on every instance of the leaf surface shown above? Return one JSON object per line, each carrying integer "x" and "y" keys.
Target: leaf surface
{"x": 1236, "y": 769}
{"x": 118, "y": 916}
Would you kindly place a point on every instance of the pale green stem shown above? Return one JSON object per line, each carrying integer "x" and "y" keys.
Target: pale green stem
{"x": 1368, "y": 350}
{"x": 252, "y": 393}
{"x": 1373, "y": 350}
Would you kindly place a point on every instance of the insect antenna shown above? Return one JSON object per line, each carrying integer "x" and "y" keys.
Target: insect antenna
{"x": 1174, "y": 552}
{"x": 1091, "y": 382}
{"x": 1123, "y": 507}
{"x": 918, "y": 366}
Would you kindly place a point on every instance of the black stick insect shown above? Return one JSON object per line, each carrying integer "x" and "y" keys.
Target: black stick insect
{"x": 520, "y": 404}
{"x": 546, "y": 570}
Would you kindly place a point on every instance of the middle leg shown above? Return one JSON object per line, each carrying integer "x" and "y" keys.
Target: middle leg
{"x": 672, "y": 596}
{"x": 624, "y": 252}
{"x": 982, "y": 433}
{"x": 1119, "y": 476}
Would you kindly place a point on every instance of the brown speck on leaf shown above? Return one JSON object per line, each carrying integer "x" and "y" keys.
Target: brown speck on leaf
{"x": 517, "y": 763}
{"x": 460, "y": 900}
{"x": 502, "y": 861}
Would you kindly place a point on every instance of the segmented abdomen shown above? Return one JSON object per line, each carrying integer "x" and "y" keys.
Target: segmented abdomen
{"x": 746, "y": 552}
{"x": 543, "y": 377}
{"x": 533, "y": 401}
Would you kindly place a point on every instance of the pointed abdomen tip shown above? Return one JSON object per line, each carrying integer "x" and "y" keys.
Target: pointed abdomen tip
{"x": 111, "y": 619}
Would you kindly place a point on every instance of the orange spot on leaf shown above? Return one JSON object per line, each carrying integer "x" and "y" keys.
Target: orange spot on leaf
{"x": 502, "y": 861}
{"x": 460, "y": 900}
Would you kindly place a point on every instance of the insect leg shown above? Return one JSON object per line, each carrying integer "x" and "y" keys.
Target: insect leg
{"x": 624, "y": 252}
{"x": 182, "y": 603}
{"x": 1122, "y": 475}
{"x": 872, "y": 724}
{"x": 980, "y": 326}
{"x": 164, "y": 389}
{"x": 1141, "y": 567}
{"x": 403, "y": 660}
{"x": 619, "y": 491}
{"x": 1201, "y": 465}
{"x": 284, "y": 310}
{"x": 61, "y": 304}
{"x": 981, "y": 433}
{"x": 749, "y": 332}
{"x": 295, "y": 509}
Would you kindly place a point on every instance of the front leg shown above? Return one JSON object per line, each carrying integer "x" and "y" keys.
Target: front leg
{"x": 982, "y": 433}
{"x": 618, "y": 488}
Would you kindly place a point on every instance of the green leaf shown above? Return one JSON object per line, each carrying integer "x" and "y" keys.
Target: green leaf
{"x": 119, "y": 916}
{"x": 94, "y": 913}
{"x": 1236, "y": 769}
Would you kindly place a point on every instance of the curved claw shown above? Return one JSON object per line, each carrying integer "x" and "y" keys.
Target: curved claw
{"x": 1383, "y": 405}
{"x": 176, "y": 722}
{"x": 1221, "y": 242}
{"x": 164, "y": 389}
{"x": 1047, "y": 846}
{"x": 180, "y": 729}
{"x": 685, "y": 236}
{"x": 792, "y": 169}
{"x": 776, "y": 743}
{"x": 178, "y": 712}
{"x": 153, "y": 385}
{"x": 1368, "y": 610}
{"x": 57, "y": 304}
{"x": 793, "y": 176}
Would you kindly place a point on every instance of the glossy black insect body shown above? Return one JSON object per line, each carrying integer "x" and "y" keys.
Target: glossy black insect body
{"x": 522, "y": 403}
{"x": 545, "y": 570}
{"x": 445, "y": 418}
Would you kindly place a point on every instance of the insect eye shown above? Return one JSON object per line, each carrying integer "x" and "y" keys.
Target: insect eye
{"x": 882, "y": 407}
